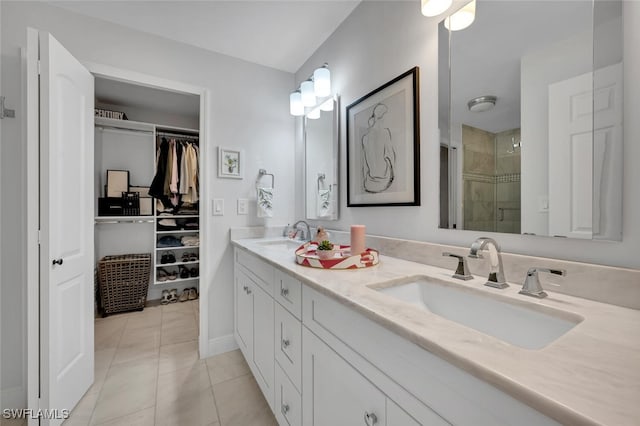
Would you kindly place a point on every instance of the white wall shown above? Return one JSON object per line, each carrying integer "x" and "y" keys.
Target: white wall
{"x": 554, "y": 63}
{"x": 248, "y": 108}
{"x": 381, "y": 40}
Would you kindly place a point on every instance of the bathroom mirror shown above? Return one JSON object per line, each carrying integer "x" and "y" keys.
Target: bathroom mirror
{"x": 321, "y": 160}
{"x": 530, "y": 118}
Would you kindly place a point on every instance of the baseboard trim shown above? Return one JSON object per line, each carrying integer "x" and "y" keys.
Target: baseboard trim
{"x": 14, "y": 398}
{"x": 220, "y": 345}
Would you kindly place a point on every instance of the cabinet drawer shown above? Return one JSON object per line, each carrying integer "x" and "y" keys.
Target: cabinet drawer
{"x": 288, "y": 292}
{"x": 260, "y": 271}
{"x": 288, "y": 404}
{"x": 288, "y": 345}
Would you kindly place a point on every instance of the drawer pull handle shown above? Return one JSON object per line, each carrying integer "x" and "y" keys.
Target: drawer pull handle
{"x": 248, "y": 290}
{"x": 285, "y": 343}
{"x": 285, "y": 408}
{"x": 284, "y": 292}
{"x": 370, "y": 419}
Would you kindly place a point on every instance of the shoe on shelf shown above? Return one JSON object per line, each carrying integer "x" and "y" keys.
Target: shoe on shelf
{"x": 193, "y": 272}
{"x": 165, "y": 297}
{"x": 184, "y": 272}
{"x": 167, "y": 275}
{"x": 193, "y": 293}
{"x": 173, "y": 295}
{"x": 162, "y": 275}
{"x": 184, "y": 296}
{"x": 168, "y": 257}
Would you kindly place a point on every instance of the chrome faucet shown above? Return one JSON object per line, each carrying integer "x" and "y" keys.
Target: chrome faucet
{"x": 303, "y": 236}
{"x": 496, "y": 270}
{"x": 462, "y": 271}
{"x": 532, "y": 286}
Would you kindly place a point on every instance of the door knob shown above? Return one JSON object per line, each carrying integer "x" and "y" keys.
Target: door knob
{"x": 285, "y": 408}
{"x": 285, "y": 343}
{"x": 370, "y": 419}
{"x": 284, "y": 292}
{"x": 57, "y": 261}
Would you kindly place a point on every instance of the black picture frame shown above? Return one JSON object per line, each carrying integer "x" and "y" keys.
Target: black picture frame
{"x": 383, "y": 145}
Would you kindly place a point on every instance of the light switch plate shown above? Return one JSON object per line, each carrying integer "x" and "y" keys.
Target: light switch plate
{"x": 218, "y": 207}
{"x": 543, "y": 204}
{"x": 243, "y": 206}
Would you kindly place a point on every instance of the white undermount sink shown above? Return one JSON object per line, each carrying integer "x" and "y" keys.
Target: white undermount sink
{"x": 517, "y": 324}
{"x": 281, "y": 244}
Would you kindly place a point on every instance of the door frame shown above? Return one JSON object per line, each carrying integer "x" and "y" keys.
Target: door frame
{"x": 33, "y": 140}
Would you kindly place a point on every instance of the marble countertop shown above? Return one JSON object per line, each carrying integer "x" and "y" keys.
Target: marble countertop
{"x": 590, "y": 375}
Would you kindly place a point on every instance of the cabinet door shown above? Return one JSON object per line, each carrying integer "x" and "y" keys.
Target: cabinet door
{"x": 396, "y": 416}
{"x": 263, "y": 337}
{"x": 334, "y": 393}
{"x": 244, "y": 313}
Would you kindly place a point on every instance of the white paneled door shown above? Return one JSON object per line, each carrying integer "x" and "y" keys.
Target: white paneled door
{"x": 66, "y": 227}
{"x": 585, "y": 155}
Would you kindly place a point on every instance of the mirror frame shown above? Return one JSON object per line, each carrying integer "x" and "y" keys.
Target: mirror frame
{"x": 336, "y": 159}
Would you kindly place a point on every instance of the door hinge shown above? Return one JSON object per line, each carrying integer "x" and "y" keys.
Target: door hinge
{"x": 8, "y": 113}
{"x": 39, "y": 67}
{"x": 39, "y": 237}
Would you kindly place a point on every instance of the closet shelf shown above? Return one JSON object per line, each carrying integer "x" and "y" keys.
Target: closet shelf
{"x": 177, "y": 280}
{"x": 179, "y": 231}
{"x": 124, "y": 219}
{"x": 176, "y": 248}
{"x": 163, "y": 265}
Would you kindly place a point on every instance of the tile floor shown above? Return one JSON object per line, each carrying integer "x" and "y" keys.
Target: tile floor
{"x": 147, "y": 372}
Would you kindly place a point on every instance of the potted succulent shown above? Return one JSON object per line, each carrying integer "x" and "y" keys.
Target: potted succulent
{"x": 325, "y": 250}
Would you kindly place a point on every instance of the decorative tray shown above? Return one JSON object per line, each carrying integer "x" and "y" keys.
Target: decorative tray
{"x": 342, "y": 259}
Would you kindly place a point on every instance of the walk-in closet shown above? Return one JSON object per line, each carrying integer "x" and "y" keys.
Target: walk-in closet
{"x": 147, "y": 183}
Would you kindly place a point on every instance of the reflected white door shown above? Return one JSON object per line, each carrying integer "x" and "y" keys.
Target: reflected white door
{"x": 66, "y": 224}
{"x": 585, "y": 156}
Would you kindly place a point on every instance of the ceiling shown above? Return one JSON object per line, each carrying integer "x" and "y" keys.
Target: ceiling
{"x": 277, "y": 34}
{"x": 486, "y": 56}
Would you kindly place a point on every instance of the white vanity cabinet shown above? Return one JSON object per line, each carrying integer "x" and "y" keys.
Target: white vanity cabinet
{"x": 254, "y": 325}
{"x": 321, "y": 363}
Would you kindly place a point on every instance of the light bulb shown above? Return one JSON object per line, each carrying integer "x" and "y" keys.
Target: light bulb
{"x": 308, "y": 95}
{"x": 314, "y": 114}
{"x": 435, "y": 7}
{"x": 322, "y": 82}
{"x": 462, "y": 18}
{"x": 295, "y": 104}
{"x": 327, "y": 105}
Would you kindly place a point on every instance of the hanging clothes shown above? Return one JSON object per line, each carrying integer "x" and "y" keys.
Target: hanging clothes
{"x": 156, "y": 189}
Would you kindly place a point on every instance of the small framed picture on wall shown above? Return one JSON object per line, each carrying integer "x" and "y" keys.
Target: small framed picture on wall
{"x": 230, "y": 163}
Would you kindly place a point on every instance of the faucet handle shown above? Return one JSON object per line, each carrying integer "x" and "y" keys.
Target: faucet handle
{"x": 532, "y": 286}
{"x": 462, "y": 270}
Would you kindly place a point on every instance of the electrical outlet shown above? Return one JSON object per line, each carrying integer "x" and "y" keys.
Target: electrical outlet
{"x": 218, "y": 207}
{"x": 243, "y": 206}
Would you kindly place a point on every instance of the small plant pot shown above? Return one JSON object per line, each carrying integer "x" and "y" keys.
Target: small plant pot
{"x": 326, "y": 254}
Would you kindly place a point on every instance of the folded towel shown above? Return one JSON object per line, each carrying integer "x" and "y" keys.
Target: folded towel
{"x": 265, "y": 202}
{"x": 323, "y": 202}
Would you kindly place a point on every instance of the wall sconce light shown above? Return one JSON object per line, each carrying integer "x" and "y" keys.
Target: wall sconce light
{"x": 314, "y": 114}
{"x": 295, "y": 103}
{"x": 434, "y": 7}
{"x": 462, "y": 18}
{"x": 317, "y": 86}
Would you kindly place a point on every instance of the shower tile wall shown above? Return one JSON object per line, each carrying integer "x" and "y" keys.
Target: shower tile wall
{"x": 491, "y": 180}
{"x": 478, "y": 171}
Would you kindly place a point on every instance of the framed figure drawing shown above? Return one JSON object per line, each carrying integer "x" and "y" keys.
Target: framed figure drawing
{"x": 383, "y": 145}
{"x": 230, "y": 163}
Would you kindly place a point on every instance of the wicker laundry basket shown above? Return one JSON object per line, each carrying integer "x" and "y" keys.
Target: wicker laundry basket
{"x": 124, "y": 282}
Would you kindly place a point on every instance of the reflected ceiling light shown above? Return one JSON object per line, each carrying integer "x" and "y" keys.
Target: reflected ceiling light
{"x": 322, "y": 81}
{"x": 295, "y": 103}
{"x": 327, "y": 105}
{"x": 462, "y": 18}
{"x": 435, "y": 7}
{"x": 482, "y": 103}
{"x": 308, "y": 94}
{"x": 314, "y": 114}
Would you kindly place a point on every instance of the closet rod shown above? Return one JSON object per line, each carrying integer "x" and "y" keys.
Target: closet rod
{"x": 177, "y": 135}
